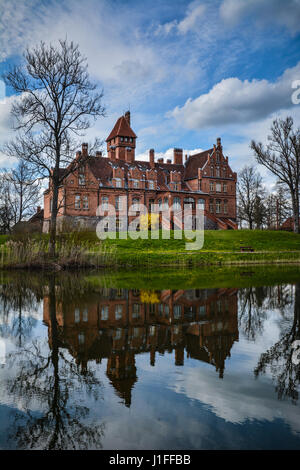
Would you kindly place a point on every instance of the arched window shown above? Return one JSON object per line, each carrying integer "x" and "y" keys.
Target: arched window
{"x": 190, "y": 202}
{"x": 177, "y": 203}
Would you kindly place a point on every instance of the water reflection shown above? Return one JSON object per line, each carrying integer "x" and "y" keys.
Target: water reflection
{"x": 53, "y": 379}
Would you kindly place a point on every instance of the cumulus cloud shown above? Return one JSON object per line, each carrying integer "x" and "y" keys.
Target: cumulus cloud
{"x": 284, "y": 13}
{"x": 234, "y": 101}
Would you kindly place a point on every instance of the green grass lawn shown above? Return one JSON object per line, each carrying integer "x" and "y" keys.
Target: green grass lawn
{"x": 220, "y": 247}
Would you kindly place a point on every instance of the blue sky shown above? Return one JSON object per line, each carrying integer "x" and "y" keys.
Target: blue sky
{"x": 189, "y": 71}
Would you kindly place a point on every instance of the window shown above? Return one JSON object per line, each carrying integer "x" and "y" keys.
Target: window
{"x": 202, "y": 310}
{"x": 131, "y": 139}
{"x": 211, "y": 171}
{"x": 224, "y": 172}
{"x": 177, "y": 203}
{"x": 135, "y": 310}
{"x": 118, "y": 312}
{"x": 121, "y": 139}
{"x": 85, "y": 314}
{"x": 77, "y": 201}
{"x": 126, "y": 139}
{"x": 151, "y": 184}
{"x": 152, "y": 330}
{"x": 175, "y": 186}
{"x": 225, "y": 187}
{"x": 218, "y": 206}
{"x": 85, "y": 202}
{"x": 211, "y": 186}
{"x": 211, "y": 206}
{"x": 104, "y": 312}
{"x": 190, "y": 202}
{"x": 135, "y": 183}
{"x": 136, "y": 204}
{"x": 118, "y": 203}
{"x": 81, "y": 338}
{"x": 201, "y": 203}
{"x": 177, "y": 312}
{"x": 77, "y": 315}
{"x": 218, "y": 187}
{"x": 225, "y": 206}
{"x": 166, "y": 203}
{"x": 81, "y": 179}
{"x": 118, "y": 182}
{"x": 159, "y": 204}
{"x": 105, "y": 203}
{"x": 218, "y": 172}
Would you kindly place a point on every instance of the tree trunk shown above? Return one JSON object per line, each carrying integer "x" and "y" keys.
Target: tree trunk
{"x": 295, "y": 203}
{"x": 52, "y": 240}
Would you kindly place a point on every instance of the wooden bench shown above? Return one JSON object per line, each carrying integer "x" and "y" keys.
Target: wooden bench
{"x": 246, "y": 248}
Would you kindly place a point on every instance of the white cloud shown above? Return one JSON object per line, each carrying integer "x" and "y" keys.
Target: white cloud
{"x": 167, "y": 155}
{"x": 284, "y": 13}
{"x": 233, "y": 101}
{"x": 194, "y": 14}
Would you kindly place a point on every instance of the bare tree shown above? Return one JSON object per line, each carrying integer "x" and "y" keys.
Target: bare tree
{"x": 6, "y": 212}
{"x": 282, "y": 157}
{"x": 250, "y": 188}
{"x": 55, "y": 105}
{"x": 24, "y": 191}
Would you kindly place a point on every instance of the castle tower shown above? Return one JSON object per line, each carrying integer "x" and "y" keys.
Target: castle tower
{"x": 121, "y": 141}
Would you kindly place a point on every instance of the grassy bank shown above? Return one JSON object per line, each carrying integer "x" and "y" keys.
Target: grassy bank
{"x": 84, "y": 249}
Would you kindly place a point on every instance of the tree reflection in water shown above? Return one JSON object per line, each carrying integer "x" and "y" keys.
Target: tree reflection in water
{"x": 49, "y": 379}
{"x": 279, "y": 358}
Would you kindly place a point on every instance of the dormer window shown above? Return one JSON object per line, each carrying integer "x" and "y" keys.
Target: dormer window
{"x": 131, "y": 139}
{"x": 126, "y": 139}
{"x": 151, "y": 184}
{"x": 81, "y": 179}
{"x": 121, "y": 139}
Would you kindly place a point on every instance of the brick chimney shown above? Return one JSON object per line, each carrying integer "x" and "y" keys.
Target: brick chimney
{"x": 219, "y": 145}
{"x": 127, "y": 117}
{"x": 38, "y": 209}
{"x": 151, "y": 158}
{"x": 178, "y": 153}
{"x": 85, "y": 149}
{"x": 98, "y": 153}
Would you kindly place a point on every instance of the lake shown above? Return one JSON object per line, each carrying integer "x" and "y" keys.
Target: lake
{"x": 142, "y": 360}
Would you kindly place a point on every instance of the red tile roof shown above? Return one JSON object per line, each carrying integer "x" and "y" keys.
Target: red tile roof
{"x": 121, "y": 128}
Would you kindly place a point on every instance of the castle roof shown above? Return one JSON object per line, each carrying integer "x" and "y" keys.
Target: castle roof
{"x": 122, "y": 129}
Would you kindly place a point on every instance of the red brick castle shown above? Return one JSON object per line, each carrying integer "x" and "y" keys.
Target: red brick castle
{"x": 202, "y": 179}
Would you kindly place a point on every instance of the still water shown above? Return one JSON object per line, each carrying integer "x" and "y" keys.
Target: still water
{"x": 89, "y": 363}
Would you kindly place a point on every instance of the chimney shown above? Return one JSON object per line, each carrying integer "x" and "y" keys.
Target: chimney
{"x": 219, "y": 142}
{"x": 169, "y": 160}
{"x": 186, "y": 157}
{"x": 98, "y": 153}
{"x": 160, "y": 160}
{"x": 84, "y": 149}
{"x": 151, "y": 158}
{"x": 127, "y": 117}
{"x": 38, "y": 209}
{"x": 178, "y": 153}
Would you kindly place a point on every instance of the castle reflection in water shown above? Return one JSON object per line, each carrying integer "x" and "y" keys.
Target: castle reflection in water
{"x": 118, "y": 324}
